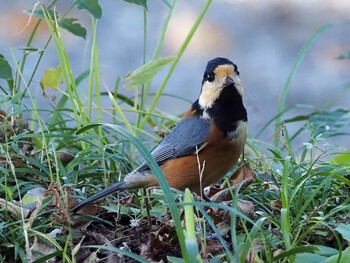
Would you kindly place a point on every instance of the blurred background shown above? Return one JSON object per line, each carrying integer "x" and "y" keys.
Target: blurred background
{"x": 262, "y": 37}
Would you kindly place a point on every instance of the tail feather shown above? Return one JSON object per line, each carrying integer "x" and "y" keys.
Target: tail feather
{"x": 133, "y": 180}
{"x": 107, "y": 191}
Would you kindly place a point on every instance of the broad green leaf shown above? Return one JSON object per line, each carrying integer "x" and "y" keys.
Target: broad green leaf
{"x": 38, "y": 12}
{"x": 341, "y": 159}
{"x": 30, "y": 199}
{"x": 326, "y": 251}
{"x": 345, "y": 257}
{"x": 330, "y": 123}
{"x": 16, "y": 99}
{"x": 345, "y": 55}
{"x": 175, "y": 260}
{"x": 138, "y": 2}
{"x": 5, "y": 69}
{"x": 309, "y": 258}
{"x": 344, "y": 230}
{"x": 73, "y": 26}
{"x": 92, "y": 6}
{"x": 146, "y": 73}
{"x": 295, "y": 251}
{"x": 52, "y": 78}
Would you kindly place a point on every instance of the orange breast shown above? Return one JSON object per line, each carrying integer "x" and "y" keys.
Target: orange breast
{"x": 211, "y": 163}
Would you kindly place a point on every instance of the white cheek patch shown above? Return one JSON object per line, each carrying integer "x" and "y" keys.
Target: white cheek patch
{"x": 210, "y": 93}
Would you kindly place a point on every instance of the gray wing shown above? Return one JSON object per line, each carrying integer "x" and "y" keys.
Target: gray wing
{"x": 186, "y": 137}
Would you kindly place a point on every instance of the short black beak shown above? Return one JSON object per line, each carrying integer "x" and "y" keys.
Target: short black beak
{"x": 228, "y": 82}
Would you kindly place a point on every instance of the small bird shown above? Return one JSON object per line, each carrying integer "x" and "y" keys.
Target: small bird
{"x": 205, "y": 144}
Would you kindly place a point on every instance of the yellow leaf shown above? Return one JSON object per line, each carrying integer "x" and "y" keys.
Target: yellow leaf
{"x": 52, "y": 78}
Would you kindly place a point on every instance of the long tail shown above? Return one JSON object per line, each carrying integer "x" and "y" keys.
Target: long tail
{"x": 107, "y": 191}
{"x": 133, "y": 180}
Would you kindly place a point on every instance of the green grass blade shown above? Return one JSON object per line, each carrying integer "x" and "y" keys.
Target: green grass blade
{"x": 190, "y": 236}
{"x": 292, "y": 252}
{"x": 157, "y": 173}
{"x": 121, "y": 251}
{"x": 296, "y": 65}
{"x": 178, "y": 56}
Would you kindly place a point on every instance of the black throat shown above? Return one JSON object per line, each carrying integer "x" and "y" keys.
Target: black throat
{"x": 227, "y": 110}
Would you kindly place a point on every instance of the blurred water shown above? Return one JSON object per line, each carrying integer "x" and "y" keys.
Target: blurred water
{"x": 262, "y": 37}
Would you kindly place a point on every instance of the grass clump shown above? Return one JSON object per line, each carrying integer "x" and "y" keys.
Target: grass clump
{"x": 285, "y": 202}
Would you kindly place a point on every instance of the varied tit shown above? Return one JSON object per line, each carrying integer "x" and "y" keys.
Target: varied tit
{"x": 205, "y": 144}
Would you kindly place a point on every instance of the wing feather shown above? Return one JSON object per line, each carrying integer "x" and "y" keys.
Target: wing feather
{"x": 186, "y": 138}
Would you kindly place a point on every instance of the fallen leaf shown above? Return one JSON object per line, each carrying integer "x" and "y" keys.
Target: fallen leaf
{"x": 211, "y": 191}
{"x": 135, "y": 223}
{"x": 145, "y": 251}
{"x": 30, "y": 199}
{"x": 222, "y": 196}
{"x": 270, "y": 186}
{"x": 161, "y": 242}
{"x": 244, "y": 173}
{"x": 2, "y": 115}
{"x": 245, "y": 207}
{"x": 13, "y": 209}
{"x": 275, "y": 204}
{"x": 39, "y": 250}
{"x": 224, "y": 228}
{"x": 215, "y": 215}
{"x": 212, "y": 247}
{"x": 257, "y": 247}
{"x": 65, "y": 157}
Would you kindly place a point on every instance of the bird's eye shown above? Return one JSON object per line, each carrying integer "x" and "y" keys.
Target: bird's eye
{"x": 210, "y": 77}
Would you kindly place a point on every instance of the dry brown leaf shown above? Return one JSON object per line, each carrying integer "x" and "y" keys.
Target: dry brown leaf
{"x": 39, "y": 250}
{"x": 62, "y": 212}
{"x": 245, "y": 207}
{"x": 145, "y": 251}
{"x": 270, "y": 186}
{"x": 3, "y": 115}
{"x": 65, "y": 157}
{"x": 222, "y": 196}
{"x": 258, "y": 247}
{"x": 211, "y": 190}
{"x": 162, "y": 241}
{"x": 13, "y": 209}
{"x": 212, "y": 247}
{"x": 244, "y": 173}
{"x": 275, "y": 204}
{"x": 31, "y": 198}
{"x": 224, "y": 228}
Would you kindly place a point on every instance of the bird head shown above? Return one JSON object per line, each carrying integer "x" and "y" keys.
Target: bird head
{"x": 219, "y": 74}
